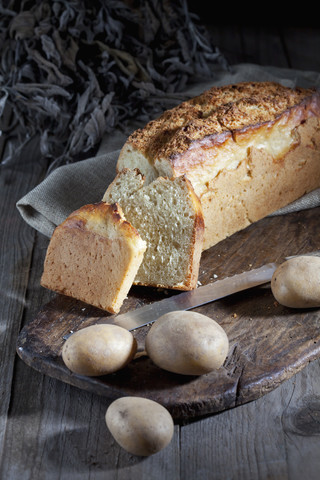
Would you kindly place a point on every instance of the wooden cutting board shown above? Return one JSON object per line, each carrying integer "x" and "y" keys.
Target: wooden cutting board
{"x": 268, "y": 343}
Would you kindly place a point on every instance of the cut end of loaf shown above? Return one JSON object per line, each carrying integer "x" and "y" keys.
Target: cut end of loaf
{"x": 93, "y": 256}
{"x": 168, "y": 216}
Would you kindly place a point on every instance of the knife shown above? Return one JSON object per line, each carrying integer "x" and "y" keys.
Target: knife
{"x": 195, "y": 298}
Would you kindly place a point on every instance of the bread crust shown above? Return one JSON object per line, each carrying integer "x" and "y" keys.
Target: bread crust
{"x": 196, "y": 246}
{"x": 219, "y": 113}
{"x": 248, "y": 150}
{"x": 93, "y": 256}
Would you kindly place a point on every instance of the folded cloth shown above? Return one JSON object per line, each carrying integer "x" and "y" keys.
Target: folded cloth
{"x": 71, "y": 186}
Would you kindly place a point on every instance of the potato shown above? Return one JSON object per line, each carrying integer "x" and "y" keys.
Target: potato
{"x": 139, "y": 425}
{"x": 296, "y": 282}
{"x": 187, "y": 343}
{"x": 99, "y": 350}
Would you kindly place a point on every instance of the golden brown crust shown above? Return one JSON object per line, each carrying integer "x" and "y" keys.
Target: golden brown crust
{"x": 248, "y": 150}
{"x": 217, "y": 113}
{"x": 98, "y": 214}
{"x": 197, "y": 240}
{"x": 93, "y": 256}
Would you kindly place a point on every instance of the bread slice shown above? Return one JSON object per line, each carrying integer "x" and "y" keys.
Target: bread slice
{"x": 168, "y": 216}
{"x": 93, "y": 256}
{"x": 248, "y": 149}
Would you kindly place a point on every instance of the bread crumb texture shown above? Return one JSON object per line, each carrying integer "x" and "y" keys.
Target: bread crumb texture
{"x": 94, "y": 256}
{"x": 168, "y": 216}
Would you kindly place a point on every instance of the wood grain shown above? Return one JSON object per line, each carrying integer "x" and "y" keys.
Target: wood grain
{"x": 16, "y": 242}
{"x": 51, "y": 430}
{"x": 268, "y": 343}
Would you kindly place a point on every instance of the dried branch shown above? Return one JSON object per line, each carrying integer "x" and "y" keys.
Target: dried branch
{"x": 73, "y": 70}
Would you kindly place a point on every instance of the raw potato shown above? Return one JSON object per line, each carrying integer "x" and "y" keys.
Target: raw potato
{"x": 140, "y": 426}
{"x": 296, "y": 282}
{"x": 188, "y": 343}
{"x": 99, "y": 350}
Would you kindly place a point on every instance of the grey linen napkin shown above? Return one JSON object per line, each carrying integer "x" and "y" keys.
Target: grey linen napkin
{"x": 71, "y": 186}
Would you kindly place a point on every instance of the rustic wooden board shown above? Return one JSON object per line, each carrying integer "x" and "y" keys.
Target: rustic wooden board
{"x": 268, "y": 343}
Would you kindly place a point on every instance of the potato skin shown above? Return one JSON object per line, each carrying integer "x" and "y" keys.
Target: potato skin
{"x": 141, "y": 426}
{"x": 99, "y": 350}
{"x": 187, "y": 343}
{"x": 296, "y": 282}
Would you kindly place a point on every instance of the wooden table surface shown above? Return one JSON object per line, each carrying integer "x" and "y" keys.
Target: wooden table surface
{"x": 51, "y": 430}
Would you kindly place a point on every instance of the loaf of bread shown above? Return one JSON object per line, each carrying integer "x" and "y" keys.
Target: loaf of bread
{"x": 248, "y": 149}
{"x": 168, "y": 216}
{"x": 94, "y": 256}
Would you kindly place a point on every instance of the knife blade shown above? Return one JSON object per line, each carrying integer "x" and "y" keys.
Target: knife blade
{"x": 149, "y": 313}
{"x": 194, "y": 298}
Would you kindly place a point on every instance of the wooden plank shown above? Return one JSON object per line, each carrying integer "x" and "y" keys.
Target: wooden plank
{"x": 268, "y": 343}
{"x": 279, "y": 45}
{"x": 259, "y": 439}
{"x": 303, "y": 45}
{"x": 300, "y": 421}
{"x": 228, "y": 39}
{"x": 54, "y": 431}
{"x": 264, "y": 46}
{"x": 248, "y": 443}
{"x": 16, "y": 245}
{"x": 250, "y": 44}
{"x": 65, "y": 435}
